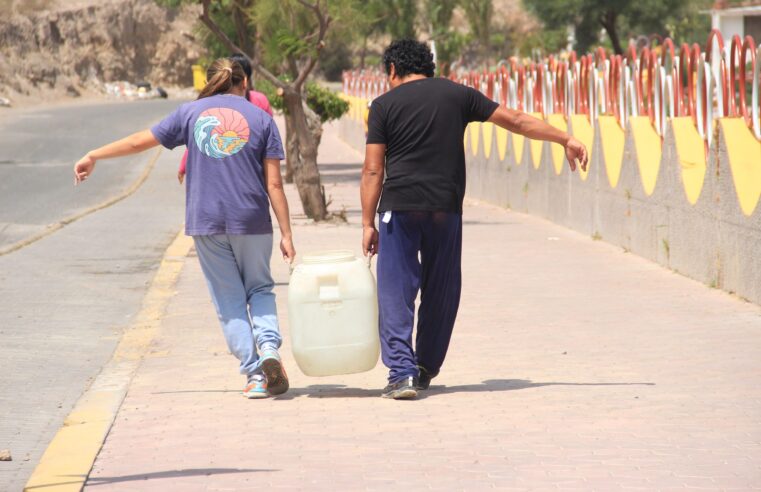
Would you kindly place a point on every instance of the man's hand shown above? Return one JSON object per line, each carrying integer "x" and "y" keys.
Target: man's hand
{"x": 286, "y": 247}
{"x": 369, "y": 240}
{"x": 575, "y": 150}
{"x": 83, "y": 169}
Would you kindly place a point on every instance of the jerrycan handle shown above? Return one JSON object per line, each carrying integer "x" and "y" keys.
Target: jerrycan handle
{"x": 368, "y": 263}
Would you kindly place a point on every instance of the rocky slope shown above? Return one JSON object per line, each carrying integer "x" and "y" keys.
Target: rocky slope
{"x": 73, "y": 47}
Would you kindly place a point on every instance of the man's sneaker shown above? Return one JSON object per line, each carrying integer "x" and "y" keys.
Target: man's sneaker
{"x": 256, "y": 387}
{"x": 272, "y": 367}
{"x": 401, "y": 390}
{"x": 424, "y": 379}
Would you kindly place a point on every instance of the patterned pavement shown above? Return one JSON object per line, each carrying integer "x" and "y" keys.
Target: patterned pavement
{"x": 574, "y": 365}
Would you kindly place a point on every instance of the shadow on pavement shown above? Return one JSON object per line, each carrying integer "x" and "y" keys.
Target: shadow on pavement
{"x": 195, "y": 391}
{"x": 507, "y": 385}
{"x": 487, "y": 223}
{"x": 490, "y": 385}
{"x": 329, "y": 391}
{"x": 191, "y": 472}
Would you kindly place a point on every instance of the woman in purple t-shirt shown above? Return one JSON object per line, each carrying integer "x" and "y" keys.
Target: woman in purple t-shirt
{"x": 233, "y": 176}
{"x": 256, "y": 98}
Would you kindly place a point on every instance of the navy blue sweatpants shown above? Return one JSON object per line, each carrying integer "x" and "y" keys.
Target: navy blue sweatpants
{"x": 437, "y": 237}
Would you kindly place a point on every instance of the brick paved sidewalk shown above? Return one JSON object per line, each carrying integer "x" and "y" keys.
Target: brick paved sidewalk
{"x": 573, "y": 366}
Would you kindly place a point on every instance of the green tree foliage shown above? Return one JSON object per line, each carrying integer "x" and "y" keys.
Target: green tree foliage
{"x": 277, "y": 24}
{"x": 290, "y": 37}
{"x": 449, "y": 43}
{"x": 543, "y": 41}
{"x": 335, "y": 58}
{"x": 321, "y": 100}
{"x": 232, "y": 17}
{"x": 280, "y": 25}
{"x": 399, "y": 18}
{"x": 325, "y": 102}
{"x": 480, "y": 14}
{"x": 621, "y": 19}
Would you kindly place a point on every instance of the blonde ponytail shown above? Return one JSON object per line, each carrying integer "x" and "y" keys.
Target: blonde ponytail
{"x": 222, "y": 76}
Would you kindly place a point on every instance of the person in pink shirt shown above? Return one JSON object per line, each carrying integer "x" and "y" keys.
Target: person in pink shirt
{"x": 254, "y": 97}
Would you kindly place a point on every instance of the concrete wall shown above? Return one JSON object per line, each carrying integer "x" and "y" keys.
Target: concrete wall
{"x": 658, "y": 198}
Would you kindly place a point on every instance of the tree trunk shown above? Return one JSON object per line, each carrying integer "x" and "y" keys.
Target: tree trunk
{"x": 314, "y": 123}
{"x": 306, "y": 175}
{"x": 609, "y": 23}
{"x": 291, "y": 147}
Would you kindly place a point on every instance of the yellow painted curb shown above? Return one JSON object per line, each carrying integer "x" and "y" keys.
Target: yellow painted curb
{"x": 556, "y": 150}
{"x": 67, "y": 461}
{"x": 517, "y": 146}
{"x": 692, "y": 157}
{"x": 475, "y": 133}
{"x": 73, "y": 218}
{"x": 612, "y": 140}
{"x": 364, "y": 110}
{"x": 744, "y": 153}
{"x": 536, "y": 146}
{"x": 584, "y": 132}
{"x": 501, "y": 142}
{"x": 647, "y": 144}
{"x": 488, "y": 133}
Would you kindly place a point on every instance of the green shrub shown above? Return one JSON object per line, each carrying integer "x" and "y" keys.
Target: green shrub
{"x": 321, "y": 100}
{"x": 325, "y": 102}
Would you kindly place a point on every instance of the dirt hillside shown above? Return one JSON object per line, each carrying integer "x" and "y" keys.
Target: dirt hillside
{"x": 55, "y": 48}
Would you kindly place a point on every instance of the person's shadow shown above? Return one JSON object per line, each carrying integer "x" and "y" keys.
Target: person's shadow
{"x": 491, "y": 385}
{"x": 488, "y": 386}
{"x": 148, "y": 476}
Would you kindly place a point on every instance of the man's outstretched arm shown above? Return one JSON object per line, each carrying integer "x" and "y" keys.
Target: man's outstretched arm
{"x": 525, "y": 124}
{"x": 370, "y": 192}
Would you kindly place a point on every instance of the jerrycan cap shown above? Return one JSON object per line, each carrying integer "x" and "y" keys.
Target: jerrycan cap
{"x": 333, "y": 256}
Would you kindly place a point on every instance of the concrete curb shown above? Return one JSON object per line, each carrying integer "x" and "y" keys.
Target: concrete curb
{"x": 51, "y": 228}
{"x": 67, "y": 461}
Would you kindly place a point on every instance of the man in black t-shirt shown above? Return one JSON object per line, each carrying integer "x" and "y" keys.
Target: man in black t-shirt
{"x": 415, "y": 137}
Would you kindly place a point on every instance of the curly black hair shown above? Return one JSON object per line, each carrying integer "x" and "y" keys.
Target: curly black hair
{"x": 409, "y": 57}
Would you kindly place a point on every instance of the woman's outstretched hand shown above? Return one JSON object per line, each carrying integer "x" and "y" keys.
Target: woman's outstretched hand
{"x": 286, "y": 247}
{"x": 83, "y": 169}
{"x": 575, "y": 150}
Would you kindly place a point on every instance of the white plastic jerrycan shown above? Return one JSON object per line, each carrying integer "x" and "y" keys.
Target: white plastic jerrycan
{"x": 333, "y": 314}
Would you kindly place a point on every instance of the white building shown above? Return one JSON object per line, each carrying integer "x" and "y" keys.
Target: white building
{"x": 737, "y": 17}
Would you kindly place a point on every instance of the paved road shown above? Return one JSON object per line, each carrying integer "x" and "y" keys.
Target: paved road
{"x": 574, "y": 366}
{"x": 65, "y": 299}
{"x": 39, "y": 147}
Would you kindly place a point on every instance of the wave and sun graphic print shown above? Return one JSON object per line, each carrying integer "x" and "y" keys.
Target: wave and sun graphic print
{"x": 220, "y": 132}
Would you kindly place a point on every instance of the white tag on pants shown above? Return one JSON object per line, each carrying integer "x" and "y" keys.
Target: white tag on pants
{"x": 386, "y": 217}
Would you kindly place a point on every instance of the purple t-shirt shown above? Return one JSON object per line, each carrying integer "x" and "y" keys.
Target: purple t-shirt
{"x": 228, "y": 139}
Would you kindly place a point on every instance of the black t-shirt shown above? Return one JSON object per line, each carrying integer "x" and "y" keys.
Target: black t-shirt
{"x": 422, "y": 123}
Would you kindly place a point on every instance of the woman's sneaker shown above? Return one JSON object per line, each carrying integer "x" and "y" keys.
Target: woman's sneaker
{"x": 274, "y": 372}
{"x": 256, "y": 387}
{"x": 405, "y": 389}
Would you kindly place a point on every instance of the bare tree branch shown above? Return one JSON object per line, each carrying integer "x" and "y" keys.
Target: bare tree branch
{"x": 240, "y": 18}
{"x": 292, "y": 66}
{"x": 214, "y": 27}
{"x": 323, "y": 20}
{"x": 310, "y": 6}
